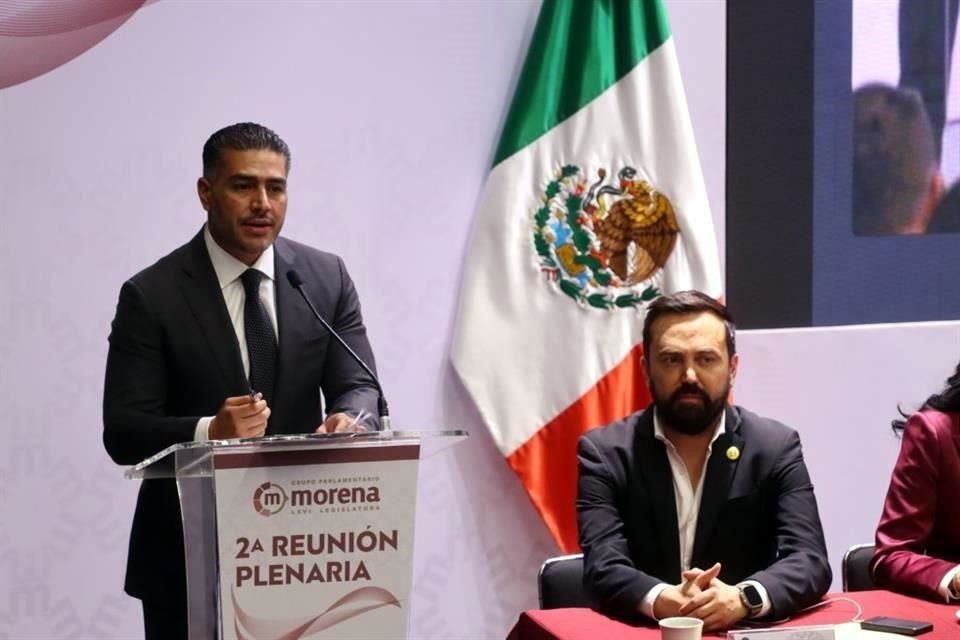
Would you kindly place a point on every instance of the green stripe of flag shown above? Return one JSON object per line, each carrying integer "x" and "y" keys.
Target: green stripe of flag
{"x": 579, "y": 49}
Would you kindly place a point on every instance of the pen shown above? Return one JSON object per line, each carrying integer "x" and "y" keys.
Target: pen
{"x": 360, "y": 416}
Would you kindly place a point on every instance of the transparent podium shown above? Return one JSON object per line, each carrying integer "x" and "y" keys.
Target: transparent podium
{"x": 306, "y": 536}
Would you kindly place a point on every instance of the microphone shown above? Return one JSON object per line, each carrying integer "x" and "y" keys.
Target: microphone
{"x": 293, "y": 277}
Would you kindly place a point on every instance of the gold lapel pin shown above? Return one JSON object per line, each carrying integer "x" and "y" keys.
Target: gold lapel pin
{"x": 733, "y": 453}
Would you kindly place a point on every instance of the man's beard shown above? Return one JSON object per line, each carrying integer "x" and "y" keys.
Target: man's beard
{"x": 689, "y": 418}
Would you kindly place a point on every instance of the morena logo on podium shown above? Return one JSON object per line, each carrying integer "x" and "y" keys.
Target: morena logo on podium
{"x": 269, "y": 499}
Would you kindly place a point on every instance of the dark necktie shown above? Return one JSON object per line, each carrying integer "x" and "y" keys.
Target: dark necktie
{"x": 261, "y": 341}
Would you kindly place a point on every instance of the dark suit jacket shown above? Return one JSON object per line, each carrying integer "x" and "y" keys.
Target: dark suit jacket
{"x": 174, "y": 358}
{"x": 758, "y": 514}
{"x": 918, "y": 538}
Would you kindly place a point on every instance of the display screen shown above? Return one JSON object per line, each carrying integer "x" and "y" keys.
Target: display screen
{"x": 856, "y": 216}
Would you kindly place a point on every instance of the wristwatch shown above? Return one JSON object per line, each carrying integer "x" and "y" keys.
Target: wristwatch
{"x": 751, "y": 599}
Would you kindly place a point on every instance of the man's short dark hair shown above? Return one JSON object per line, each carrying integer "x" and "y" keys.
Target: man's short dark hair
{"x": 894, "y": 158}
{"x": 682, "y": 303}
{"x": 243, "y": 136}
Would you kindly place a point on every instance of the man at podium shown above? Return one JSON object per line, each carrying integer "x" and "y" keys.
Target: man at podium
{"x": 214, "y": 342}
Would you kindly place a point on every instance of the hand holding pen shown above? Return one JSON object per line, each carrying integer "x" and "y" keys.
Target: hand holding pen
{"x": 344, "y": 423}
{"x": 243, "y": 416}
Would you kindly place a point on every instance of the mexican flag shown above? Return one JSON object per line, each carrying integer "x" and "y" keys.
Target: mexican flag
{"x": 595, "y": 206}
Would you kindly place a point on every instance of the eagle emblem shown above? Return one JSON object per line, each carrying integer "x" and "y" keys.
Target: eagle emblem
{"x": 603, "y": 244}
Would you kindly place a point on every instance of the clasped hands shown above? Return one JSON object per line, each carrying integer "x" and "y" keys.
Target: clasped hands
{"x": 246, "y": 417}
{"x": 702, "y": 595}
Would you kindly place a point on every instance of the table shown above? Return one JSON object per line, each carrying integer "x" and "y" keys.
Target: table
{"x": 585, "y": 624}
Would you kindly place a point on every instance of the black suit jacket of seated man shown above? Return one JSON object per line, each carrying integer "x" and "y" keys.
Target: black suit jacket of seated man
{"x": 758, "y": 515}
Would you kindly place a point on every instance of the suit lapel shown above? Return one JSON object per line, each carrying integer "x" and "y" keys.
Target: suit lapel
{"x": 205, "y": 299}
{"x": 716, "y": 482}
{"x": 654, "y": 468}
{"x": 292, "y": 334}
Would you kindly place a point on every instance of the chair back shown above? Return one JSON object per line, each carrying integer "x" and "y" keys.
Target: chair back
{"x": 856, "y": 568}
{"x": 560, "y": 583}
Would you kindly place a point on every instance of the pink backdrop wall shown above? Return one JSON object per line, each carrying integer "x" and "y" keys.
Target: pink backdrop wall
{"x": 392, "y": 110}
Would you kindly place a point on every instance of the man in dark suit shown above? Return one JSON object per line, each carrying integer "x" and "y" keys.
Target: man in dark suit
{"x": 212, "y": 342}
{"x": 694, "y": 507}
{"x": 927, "y": 30}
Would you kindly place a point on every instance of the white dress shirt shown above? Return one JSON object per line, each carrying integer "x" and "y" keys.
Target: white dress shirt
{"x": 944, "y": 588}
{"x": 229, "y": 270}
{"x": 688, "y": 493}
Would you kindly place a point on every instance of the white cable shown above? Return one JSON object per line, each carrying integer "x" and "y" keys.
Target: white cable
{"x": 747, "y": 624}
{"x": 856, "y": 618}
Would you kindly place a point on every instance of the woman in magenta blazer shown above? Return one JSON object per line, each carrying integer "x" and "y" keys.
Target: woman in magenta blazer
{"x": 918, "y": 538}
